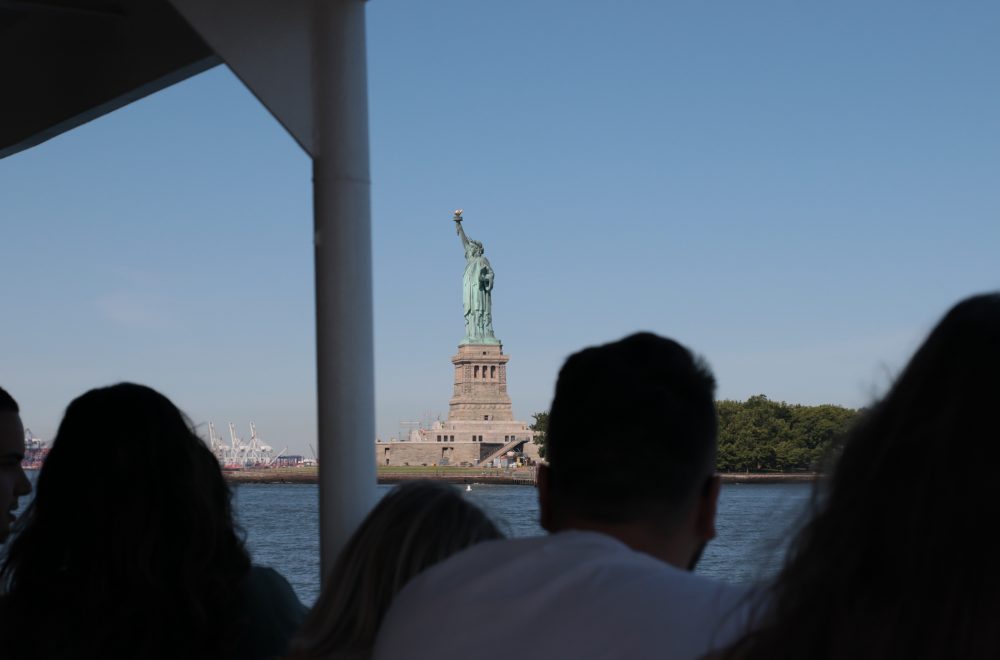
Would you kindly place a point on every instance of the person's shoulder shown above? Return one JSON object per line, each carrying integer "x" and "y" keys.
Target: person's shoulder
{"x": 665, "y": 581}
{"x": 635, "y": 595}
{"x": 474, "y": 560}
{"x": 266, "y": 579}
{"x": 267, "y": 590}
{"x": 456, "y": 583}
{"x": 694, "y": 610}
{"x": 265, "y": 575}
{"x": 273, "y": 613}
{"x": 599, "y": 566}
{"x": 489, "y": 551}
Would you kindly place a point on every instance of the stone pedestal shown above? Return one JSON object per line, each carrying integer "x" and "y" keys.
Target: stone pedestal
{"x": 480, "y": 425}
{"x": 480, "y": 385}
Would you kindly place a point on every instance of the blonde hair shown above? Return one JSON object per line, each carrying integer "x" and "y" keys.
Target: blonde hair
{"x": 416, "y": 525}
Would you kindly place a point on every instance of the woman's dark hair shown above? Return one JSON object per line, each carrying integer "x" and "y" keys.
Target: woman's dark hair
{"x": 128, "y": 548}
{"x": 899, "y": 560}
{"x": 415, "y": 526}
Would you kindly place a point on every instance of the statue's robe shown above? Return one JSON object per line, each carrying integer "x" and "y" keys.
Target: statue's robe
{"x": 476, "y": 299}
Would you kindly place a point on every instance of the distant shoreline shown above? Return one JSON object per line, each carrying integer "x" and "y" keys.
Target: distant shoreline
{"x": 769, "y": 477}
{"x": 523, "y": 477}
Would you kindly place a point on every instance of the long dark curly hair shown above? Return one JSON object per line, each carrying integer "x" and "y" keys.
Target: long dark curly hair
{"x": 129, "y": 547}
{"x": 900, "y": 559}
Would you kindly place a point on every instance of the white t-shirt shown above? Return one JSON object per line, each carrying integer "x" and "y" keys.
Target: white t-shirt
{"x": 574, "y": 594}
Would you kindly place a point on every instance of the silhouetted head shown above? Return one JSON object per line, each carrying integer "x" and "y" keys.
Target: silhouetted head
{"x": 415, "y": 526}
{"x": 899, "y": 560}
{"x": 7, "y": 403}
{"x": 13, "y": 482}
{"x": 129, "y": 542}
{"x": 631, "y": 442}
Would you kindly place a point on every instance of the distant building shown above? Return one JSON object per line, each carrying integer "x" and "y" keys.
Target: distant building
{"x": 288, "y": 460}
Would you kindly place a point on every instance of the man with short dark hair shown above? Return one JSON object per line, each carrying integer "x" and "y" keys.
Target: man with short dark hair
{"x": 13, "y": 481}
{"x": 629, "y": 498}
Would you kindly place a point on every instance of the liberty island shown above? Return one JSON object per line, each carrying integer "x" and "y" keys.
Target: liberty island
{"x": 480, "y": 429}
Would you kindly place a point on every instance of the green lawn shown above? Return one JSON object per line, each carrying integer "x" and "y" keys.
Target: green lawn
{"x": 435, "y": 470}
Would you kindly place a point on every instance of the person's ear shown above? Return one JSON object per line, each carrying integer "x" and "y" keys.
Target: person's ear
{"x": 706, "y": 507}
{"x": 543, "y": 481}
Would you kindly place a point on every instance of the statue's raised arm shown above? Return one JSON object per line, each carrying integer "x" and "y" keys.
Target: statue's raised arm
{"x": 458, "y": 228}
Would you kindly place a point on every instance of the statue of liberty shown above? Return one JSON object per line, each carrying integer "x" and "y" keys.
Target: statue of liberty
{"x": 477, "y": 288}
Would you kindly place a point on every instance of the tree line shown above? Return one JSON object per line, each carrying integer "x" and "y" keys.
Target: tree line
{"x": 761, "y": 435}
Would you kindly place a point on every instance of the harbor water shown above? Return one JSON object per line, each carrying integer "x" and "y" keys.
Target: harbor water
{"x": 753, "y": 526}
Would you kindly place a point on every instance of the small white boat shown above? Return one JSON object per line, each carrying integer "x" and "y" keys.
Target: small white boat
{"x": 468, "y": 488}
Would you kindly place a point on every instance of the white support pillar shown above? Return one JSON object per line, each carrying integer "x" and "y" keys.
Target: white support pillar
{"x": 344, "y": 317}
{"x": 305, "y": 61}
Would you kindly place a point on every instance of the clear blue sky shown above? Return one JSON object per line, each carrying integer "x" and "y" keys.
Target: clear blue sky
{"x": 795, "y": 190}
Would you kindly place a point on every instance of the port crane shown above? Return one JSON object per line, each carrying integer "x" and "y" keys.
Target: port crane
{"x": 315, "y": 459}
{"x": 238, "y": 453}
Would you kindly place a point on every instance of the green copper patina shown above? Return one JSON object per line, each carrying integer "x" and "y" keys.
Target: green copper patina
{"x": 477, "y": 288}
